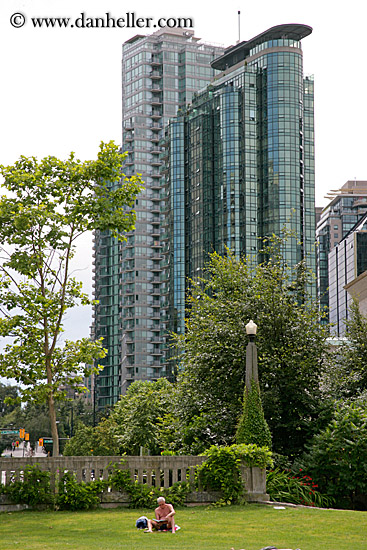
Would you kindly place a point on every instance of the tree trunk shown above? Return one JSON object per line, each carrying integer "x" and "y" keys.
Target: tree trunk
{"x": 54, "y": 432}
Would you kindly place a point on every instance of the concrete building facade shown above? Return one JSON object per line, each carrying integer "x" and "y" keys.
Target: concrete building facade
{"x": 347, "y": 206}
{"x": 347, "y": 266}
{"x": 160, "y": 73}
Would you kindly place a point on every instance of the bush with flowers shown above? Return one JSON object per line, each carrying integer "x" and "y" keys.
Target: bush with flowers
{"x": 285, "y": 486}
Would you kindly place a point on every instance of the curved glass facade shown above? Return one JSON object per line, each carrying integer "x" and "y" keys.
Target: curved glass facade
{"x": 282, "y": 155}
{"x": 248, "y": 161}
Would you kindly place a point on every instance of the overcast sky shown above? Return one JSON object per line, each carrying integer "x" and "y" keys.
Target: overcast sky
{"x": 61, "y": 88}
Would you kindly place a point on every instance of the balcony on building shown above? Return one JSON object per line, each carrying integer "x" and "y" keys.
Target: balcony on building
{"x": 156, "y": 61}
{"x": 156, "y": 162}
{"x": 156, "y": 126}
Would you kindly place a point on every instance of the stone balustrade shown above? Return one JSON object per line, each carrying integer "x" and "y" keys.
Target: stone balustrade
{"x": 156, "y": 471}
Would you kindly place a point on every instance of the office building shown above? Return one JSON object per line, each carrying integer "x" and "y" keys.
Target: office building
{"x": 160, "y": 74}
{"x": 239, "y": 162}
{"x": 347, "y": 206}
{"x": 347, "y": 266}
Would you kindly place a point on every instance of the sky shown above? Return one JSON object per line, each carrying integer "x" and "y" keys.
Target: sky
{"x": 61, "y": 87}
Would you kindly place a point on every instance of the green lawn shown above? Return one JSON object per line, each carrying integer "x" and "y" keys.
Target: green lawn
{"x": 250, "y": 527}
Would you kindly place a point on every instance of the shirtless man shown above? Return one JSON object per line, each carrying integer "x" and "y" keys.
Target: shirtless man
{"x": 163, "y": 512}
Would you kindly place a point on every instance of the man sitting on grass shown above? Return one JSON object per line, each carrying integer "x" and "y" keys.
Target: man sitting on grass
{"x": 165, "y": 517}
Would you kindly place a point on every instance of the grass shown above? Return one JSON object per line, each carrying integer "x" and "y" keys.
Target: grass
{"x": 250, "y": 527}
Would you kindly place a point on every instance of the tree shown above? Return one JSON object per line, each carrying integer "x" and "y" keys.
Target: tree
{"x": 49, "y": 204}
{"x": 7, "y": 414}
{"x": 97, "y": 441}
{"x": 345, "y": 375}
{"x": 138, "y": 414}
{"x": 290, "y": 341}
{"x": 337, "y": 458}
{"x": 6, "y": 392}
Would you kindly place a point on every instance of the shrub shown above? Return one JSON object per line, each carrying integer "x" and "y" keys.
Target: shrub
{"x": 145, "y": 496}
{"x": 253, "y": 456}
{"x": 34, "y": 489}
{"x": 337, "y": 457}
{"x": 78, "y": 496}
{"x": 221, "y": 471}
{"x": 252, "y": 427}
{"x": 177, "y": 493}
{"x": 285, "y": 487}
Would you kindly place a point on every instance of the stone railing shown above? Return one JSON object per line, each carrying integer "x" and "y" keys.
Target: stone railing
{"x": 156, "y": 471}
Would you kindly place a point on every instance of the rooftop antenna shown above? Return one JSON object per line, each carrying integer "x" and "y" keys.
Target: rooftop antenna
{"x": 239, "y": 26}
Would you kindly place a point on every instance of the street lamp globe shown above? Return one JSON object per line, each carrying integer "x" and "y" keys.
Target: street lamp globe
{"x": 251, "y": 328}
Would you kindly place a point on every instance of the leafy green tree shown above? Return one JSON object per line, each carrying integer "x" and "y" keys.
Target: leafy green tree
{"x": 8, "y": 397}
{"x": 138, "y": 414}
{"x": 81, "y": 444}
{"x": 337, "y": 458}
{"x": 49, "y": 204}
{"x": 7, "y": 414}
{"x": 89, "y": 441}
{"x": 345, "y": 372}
{"x": 290, "y": 341}
{"x": 252, "y": 427}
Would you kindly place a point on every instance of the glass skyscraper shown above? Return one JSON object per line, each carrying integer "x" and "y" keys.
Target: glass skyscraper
{"x": 160, "y": 74}
{"x": 239, "y": 162}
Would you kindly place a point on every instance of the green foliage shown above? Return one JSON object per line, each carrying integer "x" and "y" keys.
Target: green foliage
{"x": 145, "y": 496}
{"x": 253, "y": 456}
{"x": 285, "y": 487}
{"x": 34, "y": 489}
{"x": 137, "y": 417}
{"x": 221, "y": 470}
{"x": 337, "y": 458}
{"x": 356, "y": 350}
{"x": 8, "y": 399}
{"x": 8, "y": 406}
{"x": 73, "y": 495}
{"x": 89, "y": 441}
{"x": 345, "y": 372}
{"x": 290, "y": 342}
{"x": 177, "y": 493}
{"x": 49, "y": 204}
{"x": 168, "y": 453}
{"x": 252, "y": 427}
{"x": 81, "y": 444}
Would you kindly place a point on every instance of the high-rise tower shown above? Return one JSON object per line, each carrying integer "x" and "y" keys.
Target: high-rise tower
{"x": 160, "y": 73}
{"x": 240, "y": 161}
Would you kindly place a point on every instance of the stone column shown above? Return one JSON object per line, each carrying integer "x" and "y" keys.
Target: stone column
{"x": 251, "y": 364}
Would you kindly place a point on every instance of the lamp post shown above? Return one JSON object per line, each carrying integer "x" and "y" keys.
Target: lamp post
{"x": 251, "y": 355}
